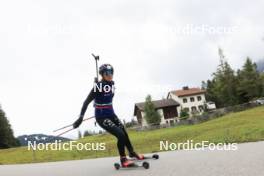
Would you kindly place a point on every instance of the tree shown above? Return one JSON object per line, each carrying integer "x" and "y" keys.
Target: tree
{"x": 151, "y": 115}
{"x": 7, "y": 138}
{"x": 250, "y": 83}
{"x": 222, "y": 89}
{"x": 184, "y": 113}
{"x": 227, "y": 88}
{"x": 262, "y": 83}
{"x": 211, "y": 94}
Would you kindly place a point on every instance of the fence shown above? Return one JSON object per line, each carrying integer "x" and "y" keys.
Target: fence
{"x": 204, "y": 117}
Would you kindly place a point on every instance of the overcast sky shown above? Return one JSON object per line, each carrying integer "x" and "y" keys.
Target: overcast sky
{"x": 154, "y": 45}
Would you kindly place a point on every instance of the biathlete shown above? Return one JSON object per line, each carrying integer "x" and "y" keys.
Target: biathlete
{"x": 102, "y": 94}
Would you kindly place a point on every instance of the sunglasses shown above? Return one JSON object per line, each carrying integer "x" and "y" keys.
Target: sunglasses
{"x": 109, "y": 73}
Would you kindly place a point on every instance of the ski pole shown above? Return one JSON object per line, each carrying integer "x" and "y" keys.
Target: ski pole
{"x": 71, "y": 128}
{"x": 96, "y": 64}
{"x": 71, "y": 124}
{"x": 65, "y": 132}
{"x": 62, "y": 128}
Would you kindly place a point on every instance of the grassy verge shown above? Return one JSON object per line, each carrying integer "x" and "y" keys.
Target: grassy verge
{"x": 246, "y": 126}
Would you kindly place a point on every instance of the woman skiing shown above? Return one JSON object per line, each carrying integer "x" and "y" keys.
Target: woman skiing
{"x": 102, "y": 94}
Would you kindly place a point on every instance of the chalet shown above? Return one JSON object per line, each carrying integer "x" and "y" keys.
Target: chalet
{"x": 167, "y": 108}
{"x": 191, "y": 100}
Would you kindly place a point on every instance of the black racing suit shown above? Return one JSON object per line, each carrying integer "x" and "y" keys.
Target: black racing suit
{"x": 102, "y": 94}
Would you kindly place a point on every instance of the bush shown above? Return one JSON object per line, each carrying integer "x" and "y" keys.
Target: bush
{"x": 184, "y": 114}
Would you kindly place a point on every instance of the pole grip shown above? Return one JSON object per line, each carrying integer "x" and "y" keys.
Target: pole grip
{"x": 96, "y": 62}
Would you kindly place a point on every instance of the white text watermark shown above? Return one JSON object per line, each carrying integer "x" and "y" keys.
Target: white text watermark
{"x": 191, "y": 145}
{"x": 71, "y": 145}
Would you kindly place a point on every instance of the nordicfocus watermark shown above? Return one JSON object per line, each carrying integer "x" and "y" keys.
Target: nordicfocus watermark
{"x": 104, "y": 88}
{"x": 71, "y": 145}
{"x": 191, "y": 29}
{"x": 190, "y": 145}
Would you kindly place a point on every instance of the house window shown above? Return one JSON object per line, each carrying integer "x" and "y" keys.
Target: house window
{"x": 194, "y": 109}
{"x": 192, "y": 99}
{"x": 185, "y": 100}
{"x": 199, "y": 98}
{"x": 186, "y": 109}
{"x": 201, "y": 108}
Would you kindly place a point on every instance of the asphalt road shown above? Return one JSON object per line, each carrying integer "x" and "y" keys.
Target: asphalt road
{"x": 248, "y": 160}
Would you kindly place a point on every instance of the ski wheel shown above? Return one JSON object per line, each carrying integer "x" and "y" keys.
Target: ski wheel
{"x": 145, "y": 165}
{"x": 156, "y": 156}
{"x": 117, "y": 166}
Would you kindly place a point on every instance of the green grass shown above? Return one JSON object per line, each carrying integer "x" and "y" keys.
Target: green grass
{"x": 245, "y": 126}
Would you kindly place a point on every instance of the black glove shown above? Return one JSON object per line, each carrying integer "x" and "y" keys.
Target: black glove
{"x": 78, "y": 122}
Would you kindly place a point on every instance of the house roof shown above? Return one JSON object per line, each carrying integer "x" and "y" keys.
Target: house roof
{"x": 187, "y": 92}
{"x": 158, "y": 104}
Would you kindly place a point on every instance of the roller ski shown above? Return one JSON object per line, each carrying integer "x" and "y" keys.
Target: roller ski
{"x": 127, "y": 163}
{"x": 139, "y": 157}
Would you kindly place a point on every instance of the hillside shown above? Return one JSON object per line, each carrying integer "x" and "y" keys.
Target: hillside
{"x": 39, "y": 138}
{"x": 238, "y": 127}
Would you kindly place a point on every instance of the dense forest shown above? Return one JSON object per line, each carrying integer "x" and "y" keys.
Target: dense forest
{"x": 230, "y": 87}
